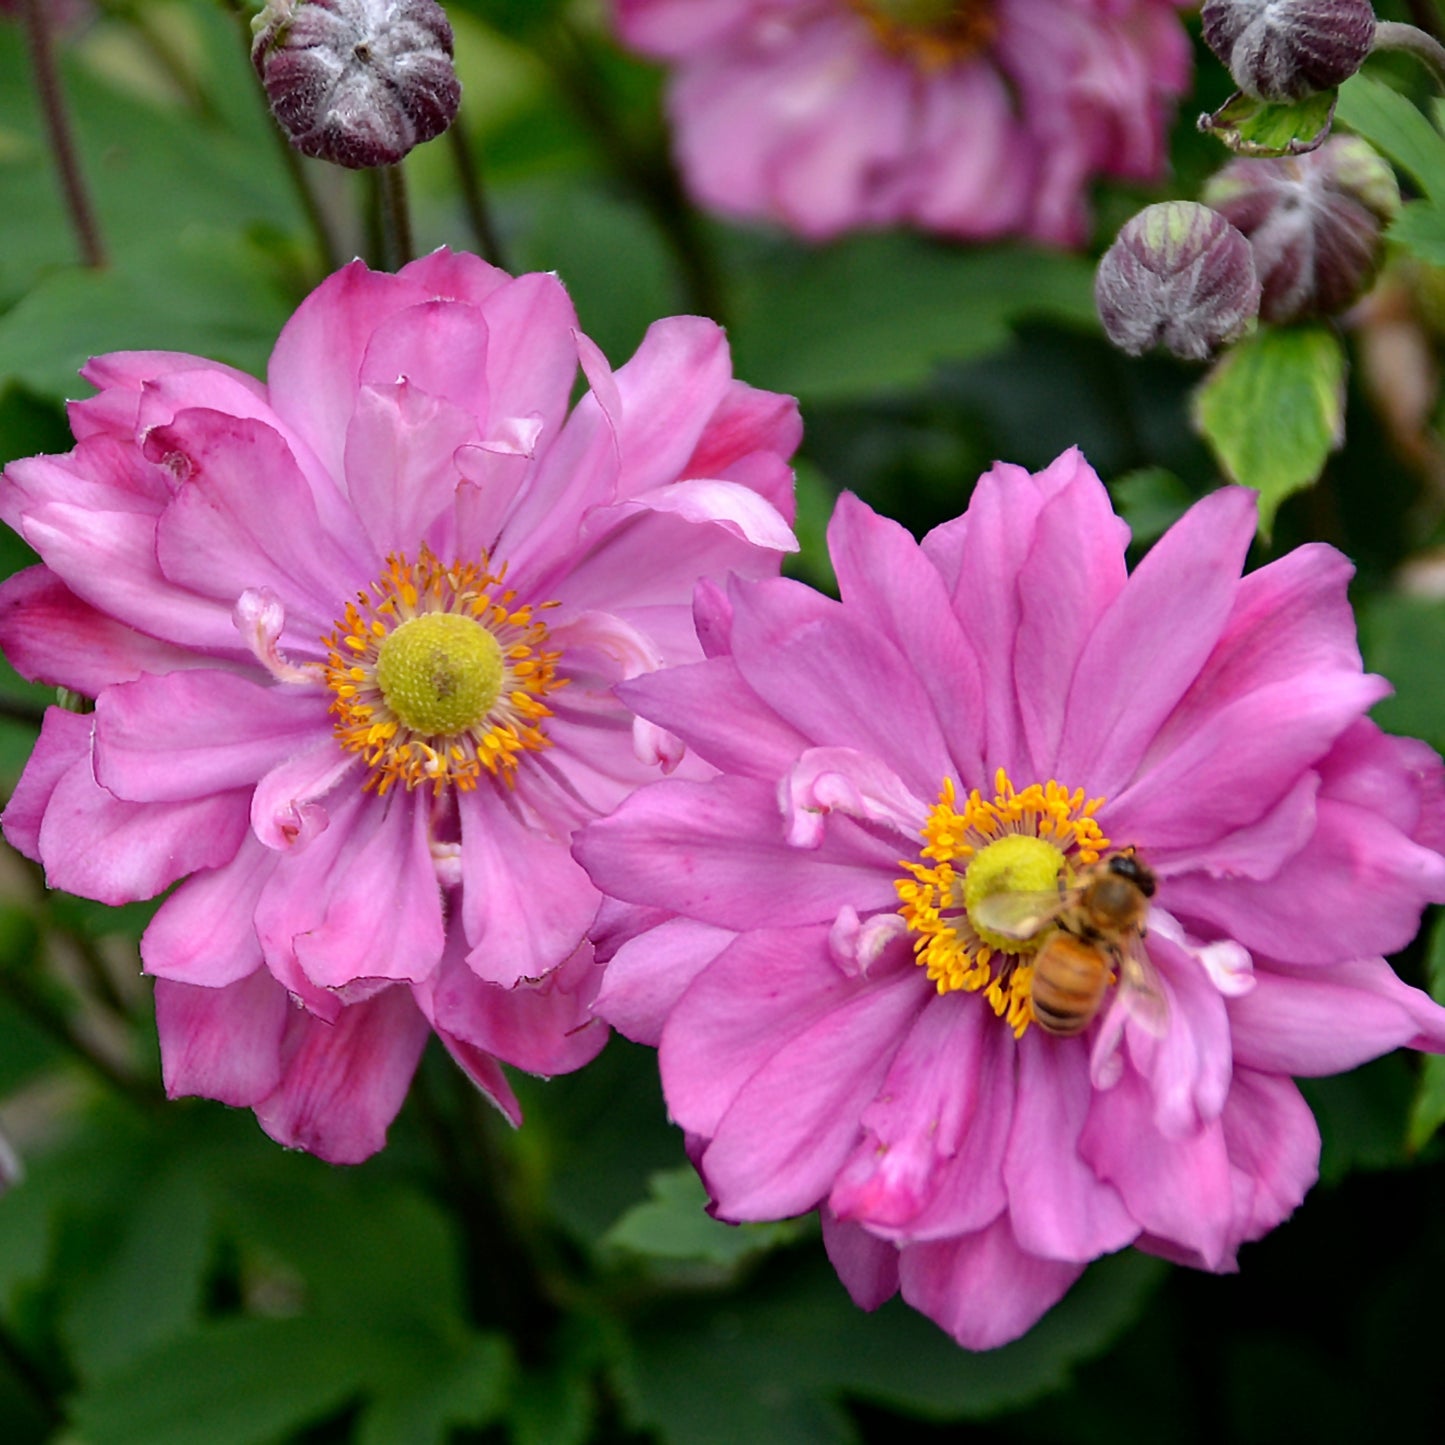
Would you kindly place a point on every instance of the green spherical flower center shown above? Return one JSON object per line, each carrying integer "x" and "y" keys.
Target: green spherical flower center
{"x": 440, "y": 673}
{"x": 1015, "y": 863}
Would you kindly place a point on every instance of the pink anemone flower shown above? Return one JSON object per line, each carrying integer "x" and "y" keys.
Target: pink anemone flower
{"x": 973, "y": 118}
{"x": 352, "y": 636}
{"x": 824, "y": 939}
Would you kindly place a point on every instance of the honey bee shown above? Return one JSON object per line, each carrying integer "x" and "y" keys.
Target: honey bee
{"x": 1094, "y": 932}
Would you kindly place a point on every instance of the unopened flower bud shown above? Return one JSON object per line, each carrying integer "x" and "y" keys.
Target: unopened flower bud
{"x": 357, "y": 82}
{"x": 1314, "y": 222}
{"x": 1284, "y": 50}
{"x": 1178, "y": 276}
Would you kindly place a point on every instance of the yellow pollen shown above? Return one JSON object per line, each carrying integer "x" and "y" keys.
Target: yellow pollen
{"x": 1027, "y": 842}
{"x": 932, "y": 34}
{"x": 439, "y": 675}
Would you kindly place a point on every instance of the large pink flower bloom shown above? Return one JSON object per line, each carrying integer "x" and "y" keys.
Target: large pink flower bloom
{"x": 966, "y": 703}
{"x": 352, "y": 636}
{"x": 970, "y": 117}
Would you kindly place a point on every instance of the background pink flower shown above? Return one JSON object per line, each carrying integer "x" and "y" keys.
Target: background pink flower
{"x": 1008, "y": 679}
{"x": 974, "y": 119}
{"x": 352, "y": 635}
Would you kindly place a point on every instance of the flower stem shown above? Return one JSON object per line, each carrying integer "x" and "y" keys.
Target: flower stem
{"x": 1396, "y": 35}
{"x": 474, "y": 196}
{"x": 395, "y": 216}
{"x": 311, "y": 207}
{"x": 57, "y": 125}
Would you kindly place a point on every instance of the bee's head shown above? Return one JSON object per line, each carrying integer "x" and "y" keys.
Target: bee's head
{"x": 1127, "y": 865}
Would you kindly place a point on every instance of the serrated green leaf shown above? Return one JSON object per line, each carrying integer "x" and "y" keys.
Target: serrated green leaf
{"x": 1259, "y": 128}
{"x": 1272, "y": 410}
{"x": 878, "y": 313}
{"x": 674, "y": 1224}
{"x": 1419, "y": 227}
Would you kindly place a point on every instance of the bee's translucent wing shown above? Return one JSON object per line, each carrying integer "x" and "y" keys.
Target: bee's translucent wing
{"x": 1018, "y": 915}
{"x": 1141, "y": 991}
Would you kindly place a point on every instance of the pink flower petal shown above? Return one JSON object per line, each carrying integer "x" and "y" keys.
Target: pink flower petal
{"x": 715, "y": 852}
{"x": 647, "y": 975}
{"x": 526, "y": 904}
{"x": 222, "y": 1043}
{"x": 868, "y": 1266}
{"x": 982, "y": 1288}
{"x": 1152, "y": 641}
{"x": 807, "y": 1107}
{"x": 205, "y": 932}
{"x": 1328, "y": 1018}
{"x": 187, "y": 734}
{"x": 221, "y": 536}
{"x": 50, "y": 635}
{"x": 344, "y": 1082}
{"x": 932, "y": 1157}
{"x": 1060, "y": 1208}
{"x": 546, "y": 1027}
{"x": 885, "y": 576}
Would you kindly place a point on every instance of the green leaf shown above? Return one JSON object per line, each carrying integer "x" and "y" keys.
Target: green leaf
{"x": 1404, "y": 638}
{"x": 1419, "y": 226}
{"x": 772, "y": 1363}
{"x": 816, "y": 498}
{"x": 878, "y": 313}
{"x": 553, "y": 1406}
{"x": 1272, "y": 410}
{"x": 1252, "y": 127}
{"x": 1150, "y": 500}
{"x": 1362, "y": 1116}
{"x": 205, "y": 295}
{"x": 1396, "y": 127}
{"x": 147, "y": 1288}
{"x": 674, "y": 1224}
{"x": 429, "y": 1386}
{"x": 156, "y": 172}
{"x": 240, "y": 1382}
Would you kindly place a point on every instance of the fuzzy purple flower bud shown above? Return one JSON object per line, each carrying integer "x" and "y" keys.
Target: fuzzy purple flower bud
{"x": 357, "y": 82}
{"x": 1178, "y": 276}
{"x": 1284, "y": 50}
{"x": 1314, "y": 222}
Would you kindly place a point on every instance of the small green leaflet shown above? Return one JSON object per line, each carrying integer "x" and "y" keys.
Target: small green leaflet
{"x": 1272, "y": 410}
{"x": 1252, "y": 127}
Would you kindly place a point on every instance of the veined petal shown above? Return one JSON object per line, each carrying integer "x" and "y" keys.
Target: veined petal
{"x": 344, "y": 1082}
{"x": 192, "y": 733}
{"x": 983, "y": 1288}
{"x": 223, "y": 1043}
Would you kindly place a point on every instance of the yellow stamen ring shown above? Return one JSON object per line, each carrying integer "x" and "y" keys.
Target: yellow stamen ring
{"x": 1015, "y": 842}
{"x": 439, "y": 675}
{"x": 932, "y": 34}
